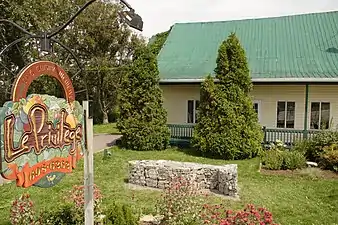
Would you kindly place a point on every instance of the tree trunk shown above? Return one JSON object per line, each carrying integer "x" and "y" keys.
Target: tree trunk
{"x": 105, "y": 118}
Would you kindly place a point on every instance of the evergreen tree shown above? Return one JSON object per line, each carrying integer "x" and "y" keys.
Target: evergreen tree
{"x": 228, "y": 125}
{"x": 143, "y": 118}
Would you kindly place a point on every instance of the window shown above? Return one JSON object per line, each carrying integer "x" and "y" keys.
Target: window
{"x": 193, "y": 106}
{"x": 256, "y": 107}
{"x": 286, "y": 114}
{"x": 320, "y": 115}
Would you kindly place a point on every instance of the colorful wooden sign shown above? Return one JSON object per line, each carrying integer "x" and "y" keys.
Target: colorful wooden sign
{"x": 42, "y": 137}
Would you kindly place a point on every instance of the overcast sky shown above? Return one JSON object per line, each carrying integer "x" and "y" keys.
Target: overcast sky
{"x": 159, "y": 15}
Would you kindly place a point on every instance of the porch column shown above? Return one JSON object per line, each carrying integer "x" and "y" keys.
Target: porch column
{"x": 305, "y": 131}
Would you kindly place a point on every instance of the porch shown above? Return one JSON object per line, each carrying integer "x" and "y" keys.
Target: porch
{"x": 181, "y": 134}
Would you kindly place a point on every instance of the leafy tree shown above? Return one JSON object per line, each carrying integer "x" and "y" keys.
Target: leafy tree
{"x": 107, "y": 47}
{"x": 101, "y": 41}
{"x": 143, "y": 118}
{"x": 228, "y": 125}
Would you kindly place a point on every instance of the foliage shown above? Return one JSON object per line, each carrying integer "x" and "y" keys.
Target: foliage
{"x": 22, "y": 211}
{"x": 180, "y": 203}
{"x": 158, "y": 41}
{"x": 302, "y": 146}
{"x": 121, "y": 214}
{"x": 218, "y": 215}
{"x": 329, "y": 158}
{"x": 143, "y": 118}
{"x": 279, "y": 158}
{"x": 315, "y": 147}
{"x": 206, "y": 131}
{"x": 103, "y": 44}
{"x": 278, "y": 146}
{"x": 293, "y": 160}
{"x": 228, "y": 125}
{"x": 77, "y": 199}
{"x": 62, "y": 215}
{"x": 272, "y": 160}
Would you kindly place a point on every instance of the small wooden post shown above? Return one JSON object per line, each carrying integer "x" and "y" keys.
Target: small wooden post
{"x": 88, "y": 168}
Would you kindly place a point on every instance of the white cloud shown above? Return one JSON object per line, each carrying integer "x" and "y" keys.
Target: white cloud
{"x": 159, "y": 15}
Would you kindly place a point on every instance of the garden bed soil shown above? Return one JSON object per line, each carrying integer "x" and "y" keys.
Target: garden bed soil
{"x": 311, "y": 172}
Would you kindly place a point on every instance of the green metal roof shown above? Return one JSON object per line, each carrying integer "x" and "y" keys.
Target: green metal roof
{"x": 290, "y": 47}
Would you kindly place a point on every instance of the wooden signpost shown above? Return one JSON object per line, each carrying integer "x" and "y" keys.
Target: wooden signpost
{"x": 42, "y": 137}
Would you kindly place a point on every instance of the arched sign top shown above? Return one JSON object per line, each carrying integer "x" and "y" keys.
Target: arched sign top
{"x": 37, "y": 69}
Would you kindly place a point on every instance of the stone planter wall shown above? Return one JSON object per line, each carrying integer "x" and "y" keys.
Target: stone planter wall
{"x": 158, "y": 173}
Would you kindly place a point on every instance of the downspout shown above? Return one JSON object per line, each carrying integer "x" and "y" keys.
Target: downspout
{"x": 305, "y": 131}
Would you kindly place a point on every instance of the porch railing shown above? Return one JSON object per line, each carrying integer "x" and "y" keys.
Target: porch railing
{"x": 288, "y": 136}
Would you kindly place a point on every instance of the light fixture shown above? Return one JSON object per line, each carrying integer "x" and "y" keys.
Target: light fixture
{"x": 132, "y": 19}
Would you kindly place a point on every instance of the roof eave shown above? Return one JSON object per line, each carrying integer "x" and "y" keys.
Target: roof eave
{"x": 261, "y": 80}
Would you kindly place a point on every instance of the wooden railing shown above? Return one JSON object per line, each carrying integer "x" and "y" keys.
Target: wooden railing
{"x": 181, "y": 131}
{"x": 288, "y": 136}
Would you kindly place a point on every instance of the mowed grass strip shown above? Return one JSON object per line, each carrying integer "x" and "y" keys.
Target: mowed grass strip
{"x": 297, "y": 199}
{"x": 109, "y": 128}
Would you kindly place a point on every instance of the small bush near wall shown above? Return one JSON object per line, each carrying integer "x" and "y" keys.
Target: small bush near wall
{"x": 272, "y": 160}
{"x": 322, "y": 148}
{"x": 180, "y": 203}
{"x": 329, "y": 158}
{"x": 121, "y": 214}
{"x": 293, "y": 160}
{"x": 314, "y": 148}
{"x": 282, "y": 160}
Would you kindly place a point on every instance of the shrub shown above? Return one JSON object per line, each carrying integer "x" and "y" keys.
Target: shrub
{"x": 314, "y": 148}
{"x": 143, "y": 120}
{"x": 293, "y": 160}
{"x": 72, "y": 213}
{"x": 62, "y": 215}
{"x": 76, "y": 199}
{"x": 227, "y": 123}
{"x": 302, "y": 146}
{"x": 218, "y": 215}
{"x": 180, "y": 203}
{"x": 285, "y": 160}
{"x": 121, "y": 214}
{"x": 329, "y": 158}
{"x": 272, "y": 159}
{"x": 22, "y": 211}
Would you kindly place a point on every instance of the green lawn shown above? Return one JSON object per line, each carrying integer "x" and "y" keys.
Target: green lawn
{"x": 109, "y": 128}
{"x": 292, "y": 200}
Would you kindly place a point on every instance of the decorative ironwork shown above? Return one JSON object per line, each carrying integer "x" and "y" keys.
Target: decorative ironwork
{"x": 47, "y": 38}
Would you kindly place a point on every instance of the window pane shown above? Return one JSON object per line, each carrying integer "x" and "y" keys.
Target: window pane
{"x": 281, "y": 114}
{"x": 256, "y": 107}
{"x": 290, "y": 116}
{"x": 314, "y": 121}
{"x": 197, "y": 105}
{"x": 325, "y": 116}
{"x": 190, "y": 111}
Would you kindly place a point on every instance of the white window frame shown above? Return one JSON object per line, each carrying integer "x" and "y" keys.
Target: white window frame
{"x": 194, "y": 110}
{"x": 320, "y": 113}
{"x": 286, "y": 101}
{"x": 259, "y": 103}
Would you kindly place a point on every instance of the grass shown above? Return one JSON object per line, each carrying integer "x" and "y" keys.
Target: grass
{"x": 299, "y": 199}
{"x": 109, "y": 128}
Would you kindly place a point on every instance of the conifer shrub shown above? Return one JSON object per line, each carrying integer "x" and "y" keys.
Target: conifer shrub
{"x": 228, "y": 124}
{"x": 143, "y": 119}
